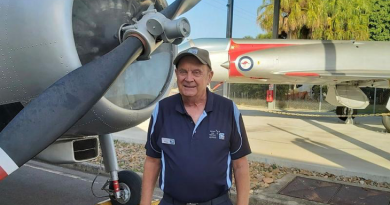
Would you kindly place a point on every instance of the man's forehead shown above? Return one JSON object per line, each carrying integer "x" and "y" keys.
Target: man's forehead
{"x": 191, "y": 62}
{"x": 192, "y": 67}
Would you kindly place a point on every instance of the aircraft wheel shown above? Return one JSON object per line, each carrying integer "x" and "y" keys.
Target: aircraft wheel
{"x": 344, "y": 111}
{"x": 130, "y": 183}
{"x": 386, "y": 122}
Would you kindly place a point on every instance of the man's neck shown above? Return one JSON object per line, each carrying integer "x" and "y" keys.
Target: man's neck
{"x": 195, "y": 101}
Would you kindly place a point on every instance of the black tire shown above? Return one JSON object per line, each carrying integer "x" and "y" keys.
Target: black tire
{"x": 341, "y": 110}
{"x": 134, "y": 182}
{"x": 386, "y": 122}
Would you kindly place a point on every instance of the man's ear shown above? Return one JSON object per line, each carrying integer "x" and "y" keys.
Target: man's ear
{"x": 211, "y": 74}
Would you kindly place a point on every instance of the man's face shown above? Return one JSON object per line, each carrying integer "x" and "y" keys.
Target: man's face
{"x": 192, "y": 77}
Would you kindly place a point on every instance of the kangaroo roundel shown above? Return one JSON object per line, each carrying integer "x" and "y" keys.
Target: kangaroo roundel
{"x": 245, "y": 63}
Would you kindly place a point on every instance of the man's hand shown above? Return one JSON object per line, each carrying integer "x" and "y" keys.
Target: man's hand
{"x": 151, "y": 171}
{"x": 241, "y": 175}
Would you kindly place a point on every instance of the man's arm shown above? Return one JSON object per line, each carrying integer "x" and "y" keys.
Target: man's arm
{"x": 151, "y": 171}
{"x": 241, "y": 175}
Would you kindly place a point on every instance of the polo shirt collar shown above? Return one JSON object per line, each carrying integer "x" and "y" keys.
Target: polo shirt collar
{"x": 209, "y": 103}
{"x": 180, "y": 106}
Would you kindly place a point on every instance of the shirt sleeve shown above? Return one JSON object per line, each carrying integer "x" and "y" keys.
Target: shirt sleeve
{"x": 239, "y": 145}
{"x": 151, "y": 146}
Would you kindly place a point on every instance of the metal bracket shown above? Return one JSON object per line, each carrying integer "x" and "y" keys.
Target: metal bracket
{"x": 153, "y": 29}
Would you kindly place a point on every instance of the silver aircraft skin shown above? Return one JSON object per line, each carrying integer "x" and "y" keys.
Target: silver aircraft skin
{"x": 283, "y": 61}
{"x": 38, "y": 46}
{"x": 344, "y": 66}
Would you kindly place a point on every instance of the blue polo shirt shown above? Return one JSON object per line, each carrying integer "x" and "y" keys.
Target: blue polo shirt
{"x": 196, "y": 157}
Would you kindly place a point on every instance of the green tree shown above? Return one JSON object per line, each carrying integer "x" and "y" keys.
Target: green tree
{"x": 248, "y": 37}
{"x": 316, "y": 91}
{"x": 260, "y": 36}
{"x": 251, "y": 90}
{"x": 282, "y": 91}
{"x": 264, "y": 36}
{"x": 379, "y": 26}
{"x": 318, "y": 19}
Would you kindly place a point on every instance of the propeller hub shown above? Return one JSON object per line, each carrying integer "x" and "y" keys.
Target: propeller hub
{"x": 154, "y": 28}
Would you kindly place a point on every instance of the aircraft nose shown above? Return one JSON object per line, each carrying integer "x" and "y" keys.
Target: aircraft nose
{"x": 225, "y": 65}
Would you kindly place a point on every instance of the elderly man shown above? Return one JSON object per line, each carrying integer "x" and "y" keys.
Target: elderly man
{"x": 195, "y": 139}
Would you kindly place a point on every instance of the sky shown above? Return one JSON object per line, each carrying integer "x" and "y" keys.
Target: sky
{"x": 208, "y": 18}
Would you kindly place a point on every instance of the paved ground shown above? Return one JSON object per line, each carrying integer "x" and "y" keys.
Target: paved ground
{"x": 40, "y": 183}
{"x": 37, "y": 183}
{"x": 317, "y": 144}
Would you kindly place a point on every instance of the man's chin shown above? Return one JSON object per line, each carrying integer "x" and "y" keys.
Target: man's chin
{"x": 188, "y": 94}
{"x": 189, "y": 91}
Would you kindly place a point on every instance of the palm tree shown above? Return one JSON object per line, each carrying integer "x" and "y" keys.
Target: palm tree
{"x": 319, "y": 19}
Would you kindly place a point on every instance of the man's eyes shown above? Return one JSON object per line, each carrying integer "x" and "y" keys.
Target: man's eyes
{"x": 195, "y": 72}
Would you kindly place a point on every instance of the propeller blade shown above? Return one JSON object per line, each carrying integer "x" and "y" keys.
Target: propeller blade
{"x": 178, "y": 8}
{"x": 61, "y": 105}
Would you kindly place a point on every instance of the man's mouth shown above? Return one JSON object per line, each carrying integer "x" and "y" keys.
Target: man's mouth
{"x": 188, "y": 86}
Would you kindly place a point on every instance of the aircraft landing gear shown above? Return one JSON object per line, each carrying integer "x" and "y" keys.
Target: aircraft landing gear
{"x": 349, "y": 118}
{"x": 130, "y": 183}
{"x": 346, "y": 111}
{"x": 386, "y": 122}
{"x": 124, "y": 187}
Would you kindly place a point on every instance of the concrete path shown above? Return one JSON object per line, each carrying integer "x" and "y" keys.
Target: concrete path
{"x": 317, "y": 144}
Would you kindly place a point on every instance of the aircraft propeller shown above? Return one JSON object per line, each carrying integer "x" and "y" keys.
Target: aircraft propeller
{"x": 60, "y": 106}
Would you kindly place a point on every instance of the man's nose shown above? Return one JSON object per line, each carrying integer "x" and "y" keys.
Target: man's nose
{"x": 189, "y": 77}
